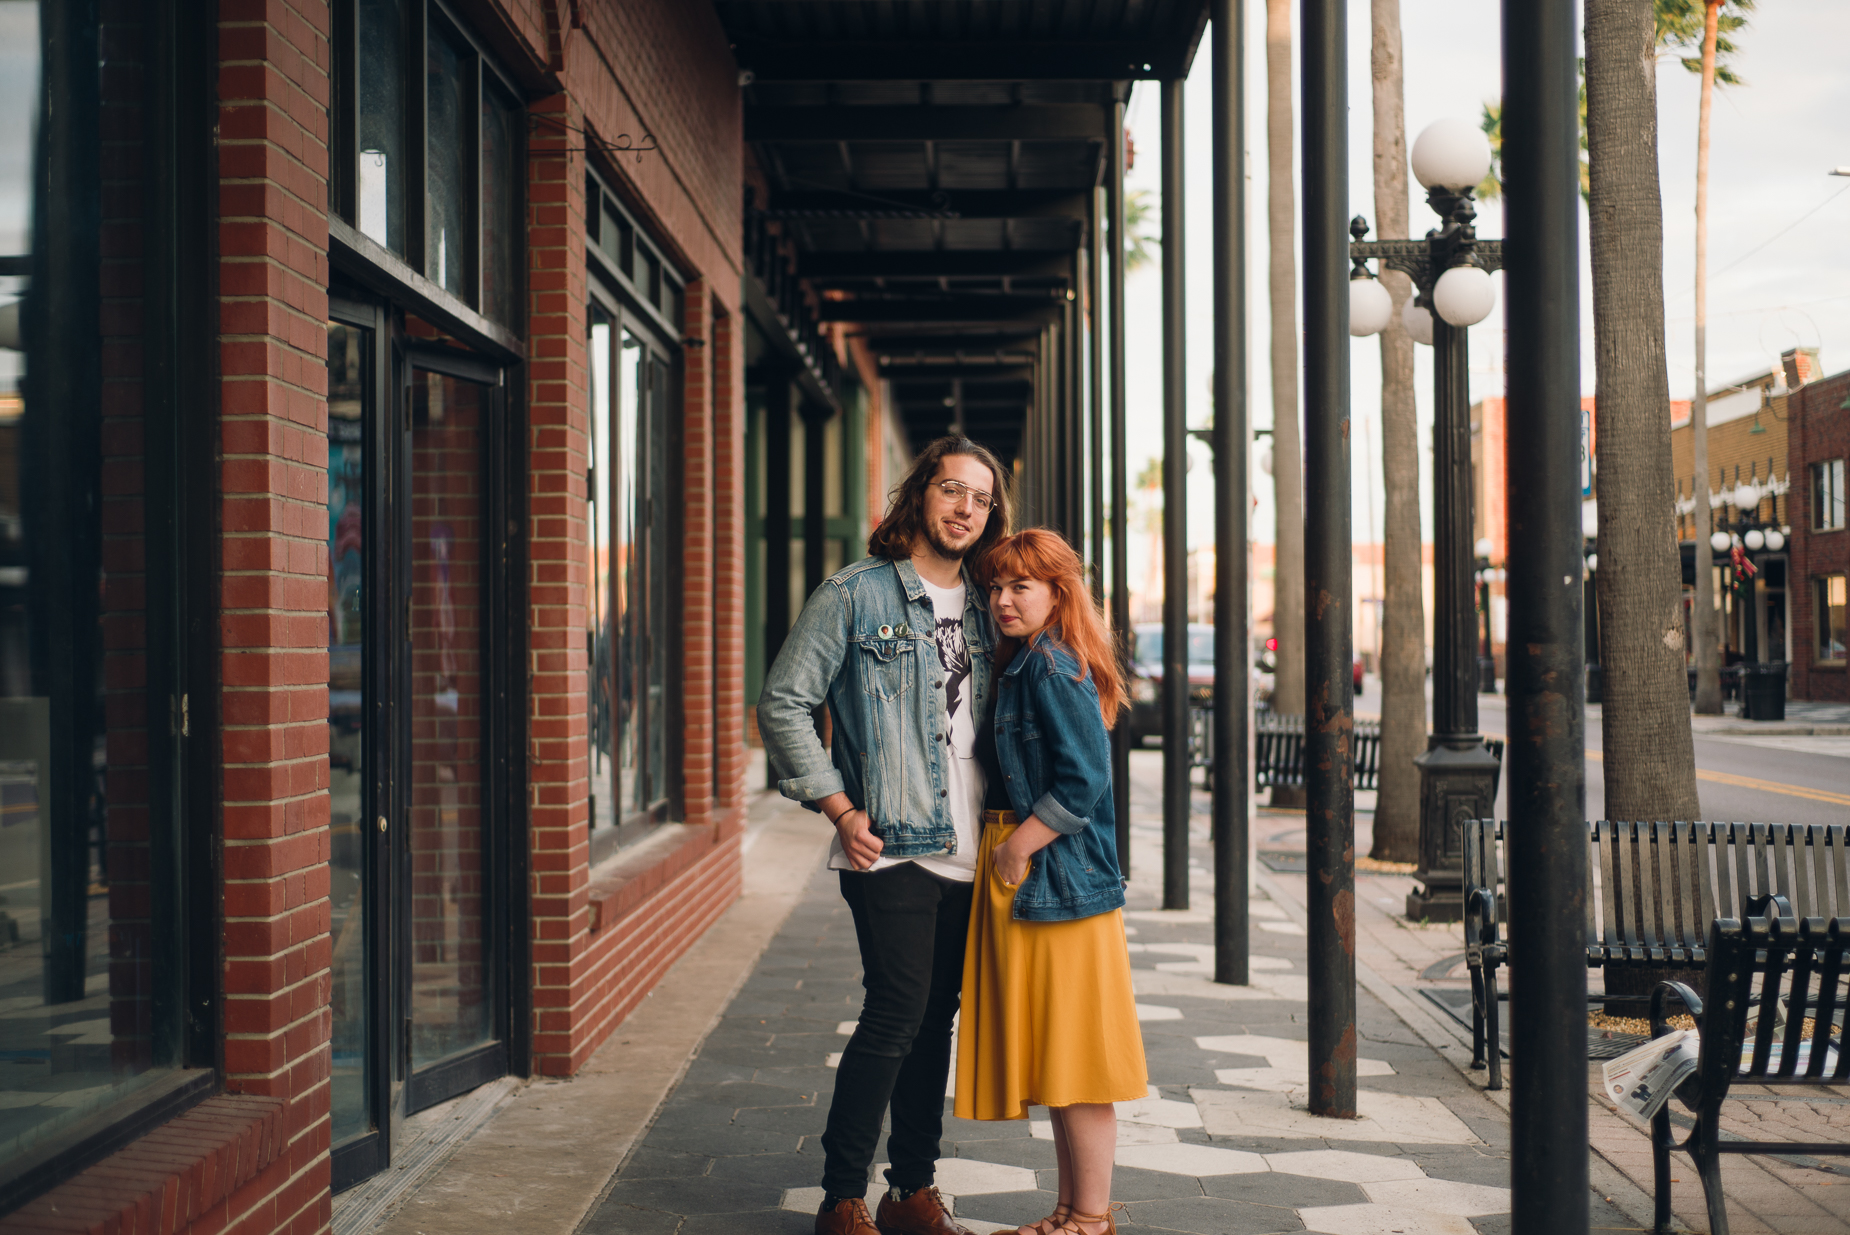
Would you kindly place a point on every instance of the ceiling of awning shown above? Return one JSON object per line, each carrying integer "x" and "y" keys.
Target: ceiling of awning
{"x": 933, "y": 162}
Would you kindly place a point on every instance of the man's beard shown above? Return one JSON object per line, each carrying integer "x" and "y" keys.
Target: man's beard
{"x": 934, "y": 532}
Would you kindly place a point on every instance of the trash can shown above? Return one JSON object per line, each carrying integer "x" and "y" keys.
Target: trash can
{"x": 1593, "y": 684}
{"x": 1763, "y": 691}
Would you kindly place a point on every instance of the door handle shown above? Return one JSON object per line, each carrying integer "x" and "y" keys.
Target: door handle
{"x": 382, "y": 824}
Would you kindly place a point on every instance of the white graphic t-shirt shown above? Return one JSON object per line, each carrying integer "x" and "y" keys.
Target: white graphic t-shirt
{"x": 964, "y": 779}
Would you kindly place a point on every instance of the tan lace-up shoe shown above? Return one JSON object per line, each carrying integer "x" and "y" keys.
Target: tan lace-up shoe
{"x": 922, "y": 1213}
{"x": 849, "y": 1217}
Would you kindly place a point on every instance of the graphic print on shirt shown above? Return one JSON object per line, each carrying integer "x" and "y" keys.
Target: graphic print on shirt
{"x": 954, "y": 656}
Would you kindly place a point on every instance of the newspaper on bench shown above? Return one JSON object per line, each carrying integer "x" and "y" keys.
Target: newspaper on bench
{"x": 1640, "y": 1081}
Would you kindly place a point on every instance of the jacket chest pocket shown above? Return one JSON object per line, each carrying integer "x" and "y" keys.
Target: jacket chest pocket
{"x": 886, "y": 666}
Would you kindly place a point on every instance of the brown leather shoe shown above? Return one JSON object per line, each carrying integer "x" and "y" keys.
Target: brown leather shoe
{"x": 849, "y": 1217}
{"x": 922, "y": 1213}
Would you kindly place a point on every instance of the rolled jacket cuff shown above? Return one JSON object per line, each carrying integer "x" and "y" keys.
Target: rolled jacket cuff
{"x": 811, "y": 788}
{"x": 1058, "y": 817}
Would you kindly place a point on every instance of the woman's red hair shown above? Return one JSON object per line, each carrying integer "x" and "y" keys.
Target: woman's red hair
{"x": 1038, "y": 553}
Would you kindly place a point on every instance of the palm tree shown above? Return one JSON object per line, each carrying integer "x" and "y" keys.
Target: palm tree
{"x": 1676, "y": 26}
{"x": 1403, "y": 619}
{"x": 1287, "y": 457}
{"x": 1649, "y": 758}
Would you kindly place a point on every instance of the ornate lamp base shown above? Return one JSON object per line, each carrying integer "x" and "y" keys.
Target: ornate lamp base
{"x": 1458, "y": 780}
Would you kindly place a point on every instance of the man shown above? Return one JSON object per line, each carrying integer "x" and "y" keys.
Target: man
{"x": 898, "y": 646}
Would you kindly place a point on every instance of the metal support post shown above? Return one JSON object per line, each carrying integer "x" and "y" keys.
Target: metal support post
{"x": 1329, "y": 700}
{"x": 1457, "y": 774}
{"x": 1120, "y": 503}
{"x": 1546, "y": 837}
{"x": 1174, "y": 696}
{"x": 815, "y": 501}
{"x": 1095, "y": 415}
{"x": 1232, "y": 681}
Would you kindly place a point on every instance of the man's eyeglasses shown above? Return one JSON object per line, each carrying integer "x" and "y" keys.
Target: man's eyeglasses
{"x": 957, "y": 491}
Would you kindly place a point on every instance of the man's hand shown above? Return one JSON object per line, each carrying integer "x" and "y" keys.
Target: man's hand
{"x": 858, "y": 841}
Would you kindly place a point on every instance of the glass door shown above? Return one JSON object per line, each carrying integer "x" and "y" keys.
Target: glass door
{"x": 455, "y": 1012}
{"x": 360, "y": 710}
{"x": 418, "y": 861}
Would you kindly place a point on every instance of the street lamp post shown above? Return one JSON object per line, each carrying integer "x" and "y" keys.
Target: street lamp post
{"x": 1486, "y": 658}
{"x": 1763, "y": 684}
{"x": 1451, "y": 270}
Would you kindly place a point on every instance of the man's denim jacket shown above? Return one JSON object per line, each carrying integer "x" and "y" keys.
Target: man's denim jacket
{"x": 1056, "y": 766}
{"x": 866, "y": 643}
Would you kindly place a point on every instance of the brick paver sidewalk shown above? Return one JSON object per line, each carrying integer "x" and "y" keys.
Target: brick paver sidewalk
{"x": 1221, "y": 1146}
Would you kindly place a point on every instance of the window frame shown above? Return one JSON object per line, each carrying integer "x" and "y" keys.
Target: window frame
{"x": 179, "y": 388}
{"x": 412, "y": 268}
{"x": 1820, "y": 596}
{"x": 1827, "y": 489}
{"x": 616, "y": 298}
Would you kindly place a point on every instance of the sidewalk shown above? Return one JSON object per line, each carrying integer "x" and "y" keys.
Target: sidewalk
{"x": 1220, "y": 1147}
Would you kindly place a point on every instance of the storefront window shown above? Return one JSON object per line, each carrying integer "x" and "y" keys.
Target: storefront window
{"x": 447, "y": 236}
{"x": 91, "y": 714}
{"x": 1827, "y": 495}
{"x": 381, "y": 91}
{"x": 1832, "y": 610}
{"x": 630, "y": 641}
{"x": 500, "y": 192}
{"x": 439, "y": 184}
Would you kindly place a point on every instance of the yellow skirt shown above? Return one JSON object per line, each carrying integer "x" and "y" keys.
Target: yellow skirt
{"x": 1048, "y": 1016}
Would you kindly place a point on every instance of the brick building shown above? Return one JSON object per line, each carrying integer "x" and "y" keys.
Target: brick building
{"x": 373, "y": 599}
{"x": 1820, "y": 546}
{"x": 419, "y": 422}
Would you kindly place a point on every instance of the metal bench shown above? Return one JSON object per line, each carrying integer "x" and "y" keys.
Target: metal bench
{"x": 1278, "y": 749}
{"x": 1653, "y": 890}
{"x": 1778, "y": 967}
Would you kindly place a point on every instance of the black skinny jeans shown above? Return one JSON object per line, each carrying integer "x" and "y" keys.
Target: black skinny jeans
{"x": 911, "y": 926}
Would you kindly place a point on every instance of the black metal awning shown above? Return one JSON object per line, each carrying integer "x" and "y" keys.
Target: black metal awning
{"x": 935, "y": 164}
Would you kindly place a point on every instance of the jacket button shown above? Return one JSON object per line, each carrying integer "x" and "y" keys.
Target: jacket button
{"x": 944, "y": 793}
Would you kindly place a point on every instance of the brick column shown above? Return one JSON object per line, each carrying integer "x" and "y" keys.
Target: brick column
{"x": 698, "y": 620}
{"x": 729, "y": 464}
{"x": 273, "y": 273}
{"x": 558, "y": 453}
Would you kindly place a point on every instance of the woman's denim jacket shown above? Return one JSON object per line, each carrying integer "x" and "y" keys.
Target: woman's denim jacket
{"x": 865, "y": 643}
{"x": 1056, "y": 764}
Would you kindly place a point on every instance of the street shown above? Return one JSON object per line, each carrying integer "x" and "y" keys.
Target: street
{"x": 1769, "y": 778}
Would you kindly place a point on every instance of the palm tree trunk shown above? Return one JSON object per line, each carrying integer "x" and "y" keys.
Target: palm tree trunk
{"x": 1649, "y": 758}
{"x": 1403, "y": 620}
{"x": 1287, "y": 453}
{"x": 1708, "y": 663}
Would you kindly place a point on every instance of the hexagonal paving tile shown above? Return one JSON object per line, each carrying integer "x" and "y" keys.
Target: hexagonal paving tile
{"x": 968, "y": 1177}
{"x": 1404, "y": 1119}
{"x": 1381, "y": 1220}
{"x": 1186, "y": 1159}
{"x": 1161, "y": 1112}
{"x": 1341, "y": 1164}
{"x": 1128, "y": 1133}
{"x": 1440, "y": 1196}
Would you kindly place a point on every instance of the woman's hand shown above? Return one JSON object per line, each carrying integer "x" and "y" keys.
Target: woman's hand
{"x": 1011, "y": 863}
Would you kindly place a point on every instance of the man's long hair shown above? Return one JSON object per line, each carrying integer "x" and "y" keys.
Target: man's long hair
{"x": 904, "y": 525}
{"x": 1039, "y": 553}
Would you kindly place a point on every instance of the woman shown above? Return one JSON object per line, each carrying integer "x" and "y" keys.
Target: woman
{"x": 1048, "y": 1016}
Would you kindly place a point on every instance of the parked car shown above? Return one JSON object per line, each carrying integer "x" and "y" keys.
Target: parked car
{"x": 1265, "y": 671}
{"x": 1146, "y": 684}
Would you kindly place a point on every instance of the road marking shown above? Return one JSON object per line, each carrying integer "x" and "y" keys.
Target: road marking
{"x": 1765, "y": 786}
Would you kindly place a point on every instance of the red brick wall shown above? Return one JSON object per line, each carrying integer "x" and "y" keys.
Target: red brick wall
{"x": 558, "y": 455}
{"x": 664, "y": 67}
{"x": 1820, "y": 431}
{"x": 273, "y": 275}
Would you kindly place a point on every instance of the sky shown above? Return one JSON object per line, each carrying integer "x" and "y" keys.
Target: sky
{"x": 1779, "y": 228}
